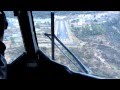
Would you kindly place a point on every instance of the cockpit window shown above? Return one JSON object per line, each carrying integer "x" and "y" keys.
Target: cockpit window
{"x": 42, "y": 22}
{"x": 93, "y": 38}
{"x": 12, "y": 38}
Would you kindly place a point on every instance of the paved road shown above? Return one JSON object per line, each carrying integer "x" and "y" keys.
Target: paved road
{"x": 62, "y": 33}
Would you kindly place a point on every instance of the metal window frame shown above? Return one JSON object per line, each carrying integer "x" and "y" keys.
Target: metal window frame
{"x": 52, "y": 36}
{"x": 27, "y": 29}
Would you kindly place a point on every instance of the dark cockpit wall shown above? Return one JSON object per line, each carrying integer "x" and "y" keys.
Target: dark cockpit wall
{"x": 33, "y": 64}
{"x": 45, "y": 69}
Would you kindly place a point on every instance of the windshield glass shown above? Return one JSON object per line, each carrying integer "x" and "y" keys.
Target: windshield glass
{"x": 12, "y": 38}
{"x": 92, "y": 36}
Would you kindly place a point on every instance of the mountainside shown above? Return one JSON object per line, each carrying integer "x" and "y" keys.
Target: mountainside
{"x": 101, "y": 53}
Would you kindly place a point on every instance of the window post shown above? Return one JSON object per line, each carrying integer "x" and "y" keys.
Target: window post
{"x": 28, "y": 32}
{"x": 52, "y": 35}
